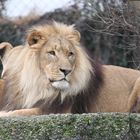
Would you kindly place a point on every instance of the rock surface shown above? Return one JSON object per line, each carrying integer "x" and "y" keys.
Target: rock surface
{"x": 98, "y": 126}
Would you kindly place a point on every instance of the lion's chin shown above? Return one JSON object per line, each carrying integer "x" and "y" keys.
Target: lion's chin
{"x": 60, "y": 84}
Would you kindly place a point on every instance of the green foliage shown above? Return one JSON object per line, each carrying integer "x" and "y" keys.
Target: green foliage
{"x": 10, "y": 32}
{"x": 106, "y": 126}
{"x": 2, "y": 7}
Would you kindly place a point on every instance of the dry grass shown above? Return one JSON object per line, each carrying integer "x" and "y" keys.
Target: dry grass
{"x": 33, "y": 15}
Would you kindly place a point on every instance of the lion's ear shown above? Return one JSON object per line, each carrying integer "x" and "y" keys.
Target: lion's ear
{"x": 75, "y": 36}
{"x": 5, "y": 47}
{"x": 34, "y": 38}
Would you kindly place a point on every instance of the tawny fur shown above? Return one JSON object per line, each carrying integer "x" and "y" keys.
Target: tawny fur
{"x": 33, "y": 83}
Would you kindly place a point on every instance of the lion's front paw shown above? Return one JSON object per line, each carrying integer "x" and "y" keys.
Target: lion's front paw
{"x": 4, "y": 114}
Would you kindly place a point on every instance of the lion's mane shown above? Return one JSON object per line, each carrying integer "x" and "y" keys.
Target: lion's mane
{"x": 25, "y": 86}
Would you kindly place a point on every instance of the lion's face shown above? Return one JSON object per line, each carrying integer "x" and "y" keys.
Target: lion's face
{"x": 58, "y": 57}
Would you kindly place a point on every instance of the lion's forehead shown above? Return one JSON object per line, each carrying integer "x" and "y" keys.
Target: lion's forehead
{"x": 59, "y": 44}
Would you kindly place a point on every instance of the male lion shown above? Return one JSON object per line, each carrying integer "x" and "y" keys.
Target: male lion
{"x": 53, "y": 74}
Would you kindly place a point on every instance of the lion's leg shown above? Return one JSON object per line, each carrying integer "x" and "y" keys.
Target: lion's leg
{"x": 21, "y": 112}
{"x": 136, "y": 107}
{"x": 134, "y": 99}
{"x": 2, "y": 83}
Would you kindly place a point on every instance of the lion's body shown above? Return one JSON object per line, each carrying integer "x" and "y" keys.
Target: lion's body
{"x": 53, "y": 74}
{"x": 118, "y": 87}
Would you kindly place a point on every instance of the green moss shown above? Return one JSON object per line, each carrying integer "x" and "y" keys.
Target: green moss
{"x": 113, "y": 126}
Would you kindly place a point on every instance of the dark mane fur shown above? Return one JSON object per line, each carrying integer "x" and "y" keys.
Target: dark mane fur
{"x": 84, "y": 99}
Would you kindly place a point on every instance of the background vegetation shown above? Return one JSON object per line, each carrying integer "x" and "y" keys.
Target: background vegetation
{"x": 110, "y": 29}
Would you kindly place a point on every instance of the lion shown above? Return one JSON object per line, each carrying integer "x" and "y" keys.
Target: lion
{"x": 52, "y": 73}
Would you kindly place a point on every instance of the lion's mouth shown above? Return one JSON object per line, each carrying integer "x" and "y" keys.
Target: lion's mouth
{"x": 63, "y": 79}
{"x": 60, "y": 84}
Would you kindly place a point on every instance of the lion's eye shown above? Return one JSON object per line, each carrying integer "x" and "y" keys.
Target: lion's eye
{"x": 52, "y": 52}
{"x": 71, "y": 54}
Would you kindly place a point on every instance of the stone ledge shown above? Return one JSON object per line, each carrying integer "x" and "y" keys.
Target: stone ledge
{"x": 98, "y": 126}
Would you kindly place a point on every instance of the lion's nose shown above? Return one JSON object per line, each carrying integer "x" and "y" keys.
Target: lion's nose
{"x": 65, "y": 71}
